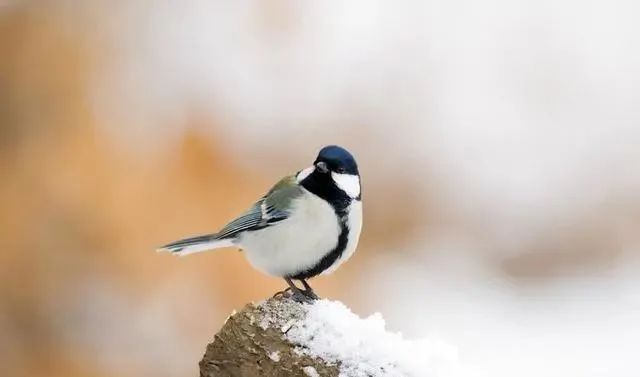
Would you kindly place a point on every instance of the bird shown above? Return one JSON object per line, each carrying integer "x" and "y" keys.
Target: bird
{"x": 307, "y": 224}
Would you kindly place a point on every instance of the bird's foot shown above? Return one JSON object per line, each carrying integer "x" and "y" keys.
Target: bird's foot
{"x": 297, "y": 296}
{"x": 308, "y": 290}
{"x": 307, "y": 295}
{"x": 284, "y": 293}
{"x": 302, "y": 297}
{"x": 293, "y": 292}
{"x": 311, "y": 294}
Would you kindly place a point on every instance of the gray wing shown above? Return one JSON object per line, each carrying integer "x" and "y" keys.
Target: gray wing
{"x": 271, "y": 209}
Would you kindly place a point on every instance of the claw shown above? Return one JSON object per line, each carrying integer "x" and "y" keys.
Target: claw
{"x": 308, "y": 290}
{"x": 307, "y": 295}
{"x": 311, "y": 294}
{"x": 301, "y": 298}
{"x": 284, "y": 293}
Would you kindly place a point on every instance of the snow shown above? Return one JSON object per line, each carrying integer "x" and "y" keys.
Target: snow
{"x": 363, "y": 347}
{"x": 311, "y": 371}
{"x": 275, "y": 356}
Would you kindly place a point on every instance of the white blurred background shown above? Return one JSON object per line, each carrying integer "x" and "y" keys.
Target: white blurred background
{"x": 498, "y": 143}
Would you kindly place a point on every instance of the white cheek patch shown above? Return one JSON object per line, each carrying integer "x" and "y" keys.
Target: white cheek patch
{"x": 348, "y": 183}
{"x": 304, "y": 173}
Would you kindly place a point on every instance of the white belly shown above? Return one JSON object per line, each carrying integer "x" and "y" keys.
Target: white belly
{"x": 297, "y": 243}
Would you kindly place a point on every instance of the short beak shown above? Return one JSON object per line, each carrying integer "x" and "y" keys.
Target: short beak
{"x": 322, "y": 167}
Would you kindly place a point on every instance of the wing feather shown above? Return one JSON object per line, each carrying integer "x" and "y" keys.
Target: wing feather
{"x": 269, "y": 210}
{"x": 250, "y": 219}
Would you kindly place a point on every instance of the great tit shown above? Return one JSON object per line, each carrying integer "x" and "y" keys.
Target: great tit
{"x": 308, "y": 223}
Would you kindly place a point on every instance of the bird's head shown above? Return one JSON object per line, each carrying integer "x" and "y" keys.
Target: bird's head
{"x": 337, "y": 166}
{"x": 335, "y": 159}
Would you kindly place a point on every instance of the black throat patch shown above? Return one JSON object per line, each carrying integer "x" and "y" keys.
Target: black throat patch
{"x": 322, "y": 185}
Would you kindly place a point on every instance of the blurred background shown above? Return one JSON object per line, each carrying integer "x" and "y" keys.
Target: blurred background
{"x": 498, "y": 143}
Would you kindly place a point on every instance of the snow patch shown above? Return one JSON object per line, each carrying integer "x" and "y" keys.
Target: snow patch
{"x": 363, "y": 347}
{"x": 311, "y": 371}
{"x": 275, "y": 356}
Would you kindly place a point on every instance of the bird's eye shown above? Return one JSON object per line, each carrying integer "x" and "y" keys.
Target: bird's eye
{"x": 341, "y": 170}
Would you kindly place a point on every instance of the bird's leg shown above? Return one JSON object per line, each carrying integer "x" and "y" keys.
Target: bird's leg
{"x": 298, "y": 295}
{"x": 308, "y": 290}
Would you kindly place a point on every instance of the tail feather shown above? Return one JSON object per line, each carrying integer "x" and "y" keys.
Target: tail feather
{"x": 196, "y": 244}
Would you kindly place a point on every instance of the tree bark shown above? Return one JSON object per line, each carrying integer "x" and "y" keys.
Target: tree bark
{"x": 252, "y": 343}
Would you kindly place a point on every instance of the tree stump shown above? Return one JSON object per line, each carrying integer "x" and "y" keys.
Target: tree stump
{"x": 252, "y": 342}
{"x": 280, "y": 337}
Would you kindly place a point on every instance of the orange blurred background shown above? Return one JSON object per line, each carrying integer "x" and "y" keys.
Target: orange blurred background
{"x": 500, "y": 174}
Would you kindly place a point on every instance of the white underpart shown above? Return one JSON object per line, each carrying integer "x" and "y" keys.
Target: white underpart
{"x": 304, "y": 173}
{"x": 348, "y": 183}
{"x": 354, "y": 223}
{"x": 297, "y": 243}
